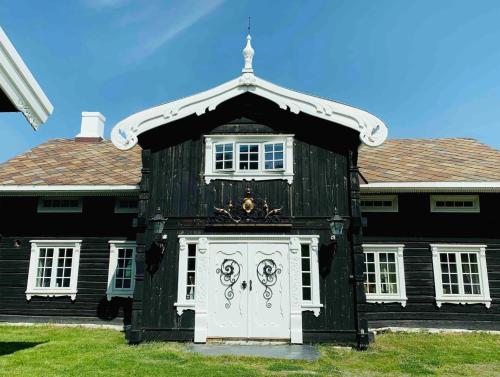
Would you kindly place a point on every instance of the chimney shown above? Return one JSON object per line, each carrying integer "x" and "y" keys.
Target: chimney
{"x": 92, "y": 129}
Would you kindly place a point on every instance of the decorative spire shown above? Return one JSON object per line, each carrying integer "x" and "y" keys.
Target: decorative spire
{"x": 248, "y": 53}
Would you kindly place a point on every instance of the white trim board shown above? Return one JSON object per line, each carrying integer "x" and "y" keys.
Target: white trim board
{"x": 20, "y": 86}
{"x": 32, "y": 190}
{"x": 372, "y": 131}
{"x": 395, "y": 187}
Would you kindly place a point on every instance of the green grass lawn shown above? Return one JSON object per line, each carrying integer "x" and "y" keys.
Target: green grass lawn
{"x": 55, "y": 351}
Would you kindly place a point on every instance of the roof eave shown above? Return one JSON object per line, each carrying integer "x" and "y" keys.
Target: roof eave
{"x": 64, "y": 190}
{"x": 430, "y": 187}
{"x": 20, "y": 86}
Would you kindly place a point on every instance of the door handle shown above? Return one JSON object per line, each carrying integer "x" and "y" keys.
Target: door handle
{"x": 250, "y": 288}
{"x": 244, "y": 285}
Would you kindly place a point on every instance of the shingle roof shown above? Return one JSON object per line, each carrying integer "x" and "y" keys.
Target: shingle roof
{"x": 66, "y": 162}
{"x": 430, "y": 160}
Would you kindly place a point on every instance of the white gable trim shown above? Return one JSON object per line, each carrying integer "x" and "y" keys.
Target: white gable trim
{"x": 20, "y": 86}
{"x": 372, "y": 130}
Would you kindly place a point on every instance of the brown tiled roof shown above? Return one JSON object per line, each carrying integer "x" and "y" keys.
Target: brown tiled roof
{"x": 66, "y": 162}
{"x": 430, "y": 160}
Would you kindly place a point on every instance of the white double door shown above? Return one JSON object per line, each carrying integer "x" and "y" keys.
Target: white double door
{"x": 248, "y": 293}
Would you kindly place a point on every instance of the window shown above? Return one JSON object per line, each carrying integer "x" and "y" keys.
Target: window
{"x": 310, "y": 276}
{"x": 186, "y": 289}
{"x": 384, "y": 279}
{"x": 53, "y": 269}
{"x": 274, "y": 156}
{"x": 126, "y": 205}
{"x": 121, "y": 272}
{"x": 63, "y": 205}
{"x": 379, "y": 203}
{"x": 224, "y": 157}
{"x": 460, "y": 274}
{"x": 455, "y": 203}
{"x": 246, "y": 157}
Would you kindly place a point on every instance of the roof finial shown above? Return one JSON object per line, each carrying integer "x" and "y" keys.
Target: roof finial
{"x": 248, "y": 53}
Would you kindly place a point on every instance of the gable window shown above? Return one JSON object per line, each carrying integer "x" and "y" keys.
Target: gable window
{"x": 247, "y": 157}
{"x": 121, "y": 272}
{"x": 379, "y": 203}
{"x": 224, "y": 156}
{"x": 62, "y": 205}
{"x": 455, "y": 203}
{"x": 126, "y": 205}
{"x": 384, "y": 279}
{"x": 274, "y": 156}
{"x": 53, "y": 269}
{"x": 460, "y": 274}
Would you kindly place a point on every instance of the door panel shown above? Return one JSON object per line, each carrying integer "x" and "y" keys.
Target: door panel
{"x": 228, "y": 300}
{"x": 269, "y": 300}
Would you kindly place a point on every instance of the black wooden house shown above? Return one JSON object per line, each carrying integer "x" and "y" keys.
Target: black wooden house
{"x": 250, "y": 211}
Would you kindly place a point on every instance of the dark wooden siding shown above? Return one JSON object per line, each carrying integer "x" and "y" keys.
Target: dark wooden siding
{"x": 97, "y": 225}
{"x": 416, "y": 227}
{"x": 173, "y": 180}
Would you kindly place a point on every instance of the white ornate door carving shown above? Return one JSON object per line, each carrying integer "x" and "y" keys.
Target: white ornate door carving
{"x": 228, "y": 302}
{"x": 268, "y": 299}
{"x": 249, "y": 291}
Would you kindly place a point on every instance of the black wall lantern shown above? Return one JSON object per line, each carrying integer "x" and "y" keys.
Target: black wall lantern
{"x": 336, "y": 226}
{"x": 158, "y": 222}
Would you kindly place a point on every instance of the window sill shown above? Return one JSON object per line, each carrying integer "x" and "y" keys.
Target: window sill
{"x": 51, "y": 293}
{"x": 463, "y": 301}
{"x": 386, "y": 300}
{"x": 181, "y": 306}
{"x": 110, "y": 295}
{"x": 315, "y": 308}
{"x": 257, "y": 176}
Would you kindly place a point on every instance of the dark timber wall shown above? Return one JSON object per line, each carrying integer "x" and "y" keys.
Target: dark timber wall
{"x": 95, "y": 226}
{"x": 173, "y": 168}
{"x": 416, "y": 227}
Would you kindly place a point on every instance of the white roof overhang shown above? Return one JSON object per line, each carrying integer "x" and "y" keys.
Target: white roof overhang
{"x": 19, "y": 85}
{"x": 372, "y": 131}
{"x": 429, "y": 187}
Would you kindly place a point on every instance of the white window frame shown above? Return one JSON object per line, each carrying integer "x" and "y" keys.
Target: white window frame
{"x": 119, "y": 209}
{"x": 261, "y": 173}
{"x": 42, "y": 209}
{"x": 380, "y": 298}
{"x": 437, "y": 198}
{"x": 71, "y": 291}
{"x": 114, "y": 247}
{"x": 182, "y": 302}
{"x": 314, "y": 303}
{"x": 233, "y": 160}
{"x": 461, "y": 298}
{"x": 393, "y": 198}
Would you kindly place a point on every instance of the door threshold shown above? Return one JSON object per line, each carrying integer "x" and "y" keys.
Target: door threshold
{"x": 247, "y": 341}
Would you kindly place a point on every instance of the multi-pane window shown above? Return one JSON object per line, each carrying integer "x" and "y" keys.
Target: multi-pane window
{"x": 68, "y": 204}
{"x": 384, "y": 273}
{"x": 191, "y": 272}
{"x": 53, "y": 268}
{"x": 123, "y": 275}
{"x": 460, "y": 274}
{"x": 121, "y": 272}
{"x": 379, "y": 203}
{"x": 274, "y": 156}
{"x": 455, "y": 203}
{"x": 248, "y": 156}
{"x": 306, "y": 272}
{"x": 126, "y": 205}
{"x": 224, "y": 156}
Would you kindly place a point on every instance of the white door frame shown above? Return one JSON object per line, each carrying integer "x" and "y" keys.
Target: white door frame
{"x": 297, "y": 306}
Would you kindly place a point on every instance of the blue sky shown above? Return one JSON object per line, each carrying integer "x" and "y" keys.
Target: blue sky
{"x": 427, "y": 68}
